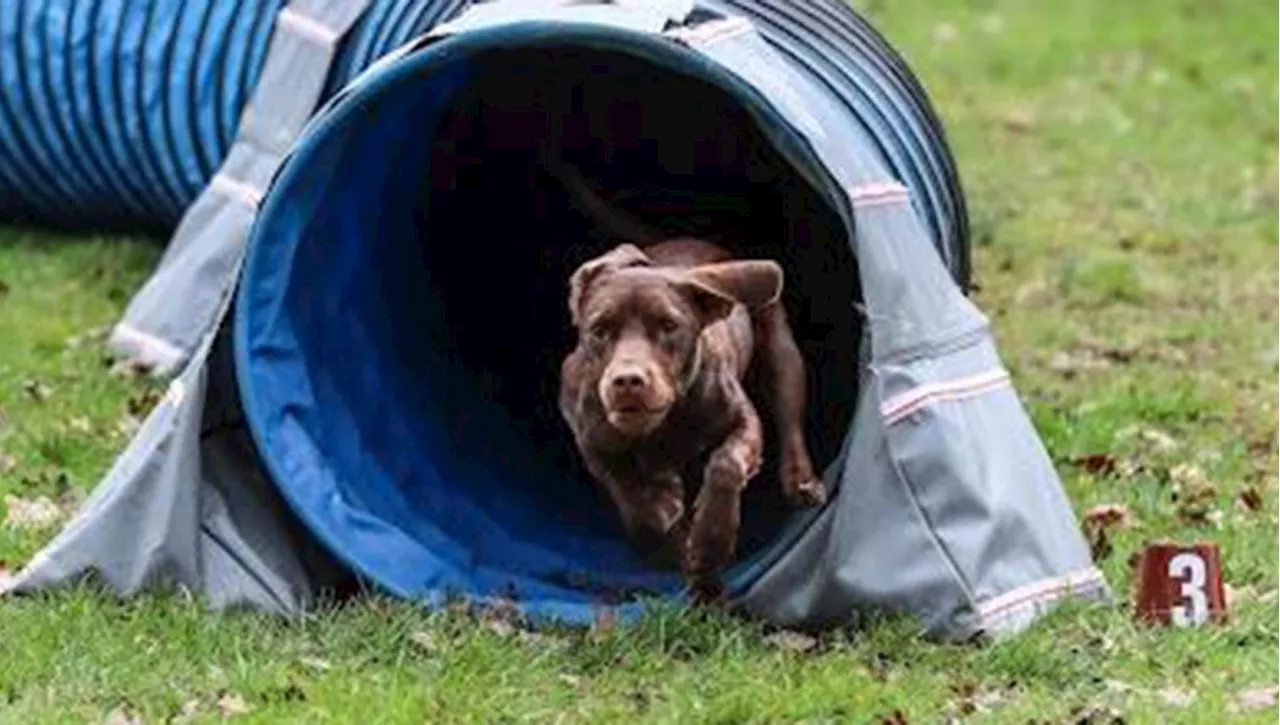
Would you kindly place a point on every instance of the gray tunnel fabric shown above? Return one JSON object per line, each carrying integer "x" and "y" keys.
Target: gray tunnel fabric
{"x": 165, "y": 319}
{"x": 946, "y": 504}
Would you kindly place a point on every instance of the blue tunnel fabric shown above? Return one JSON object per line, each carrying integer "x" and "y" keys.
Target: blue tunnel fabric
{"x": 115, "y": 113}
{"x": 401, "y": 313}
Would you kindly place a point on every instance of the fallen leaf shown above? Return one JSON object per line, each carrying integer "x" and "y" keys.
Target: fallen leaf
{"x": 1099, "y": 464}
{"x": 88, "y": 336}
{"x": 1099, "y": 522}
{"x": 128, "y": 425}
{"x": 315, "y": 663}
{"x": 500, "y": 627}
{"x": 1174, "y": 697}
{"x": 232, "y": 705}
{"x": 1258, "y": 698}
{"x": 1250, "y": 499}
{"x": 1195, "y": 495}
{"x": 143, "y": 401}
{"x": 34, "y": 513}
{"x": 129, "y": 368}
{"x": 1020, "y": 120}
{"x": 792, "y": 641}
{"x": 7, "y": 463}
{"x": 1111, "y": 516}
{"x": 122, "y": 715}
{"x": 570, "y": 680}
{"x": 1096, "y": 716}
{"x": 1234, "y": 596}
{"x": 188, "y": 712}
{"x": 36, "y": 390}
{"x": 424, "y": 641}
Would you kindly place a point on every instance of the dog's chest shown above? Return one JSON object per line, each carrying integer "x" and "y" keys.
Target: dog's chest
{"x": 684, "y": 440}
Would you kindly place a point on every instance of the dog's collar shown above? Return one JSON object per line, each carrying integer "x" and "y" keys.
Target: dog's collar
{"x": 692, "y": 368}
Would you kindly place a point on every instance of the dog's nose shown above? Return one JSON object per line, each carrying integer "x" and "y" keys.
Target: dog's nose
{"x": 630, "y": 381}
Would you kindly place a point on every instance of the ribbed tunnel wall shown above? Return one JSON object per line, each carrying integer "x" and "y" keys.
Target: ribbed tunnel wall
{"x": 115, "y": 113}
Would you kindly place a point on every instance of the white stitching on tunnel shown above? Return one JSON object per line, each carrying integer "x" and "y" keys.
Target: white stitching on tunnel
{"x": 247, "y": 194}
{"x": 710, "y": 32}
{"x": 292, "y": 21}
{"x": 878, "y": 193}
{"x": 1041, "y": 592}
{"x": 900, "y": 406}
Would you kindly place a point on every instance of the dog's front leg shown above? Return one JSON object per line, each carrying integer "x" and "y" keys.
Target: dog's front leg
{"x": 652, "y": 510}
{"x": 713, "y": 531}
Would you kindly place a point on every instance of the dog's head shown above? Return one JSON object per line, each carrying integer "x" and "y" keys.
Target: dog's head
{"x": 639, "y": 326}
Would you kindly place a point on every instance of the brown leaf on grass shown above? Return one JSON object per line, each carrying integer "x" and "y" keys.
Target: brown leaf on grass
{"x": 424, "y": 641}
{"x": 129, "y": 368}
{"x": 232, "y": 704}
{"x": 1020, "y": 120}
{"x": 1099, "y": 522}
{"x": 36, "y": 390}
{"x": 792, "y": 641}
{"x": 1258, "y": 698}
{"x": 37, "y": 513}
{"x": 1195, "y": 495}
{"x": 1099, "y": 464}
{"x": 1249, "y": 499}
{"x": 1096, "y": 715}
{"x": 141, "y": 403}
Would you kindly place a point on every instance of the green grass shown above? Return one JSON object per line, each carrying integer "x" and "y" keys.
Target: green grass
{"x": 1120, "y": 162}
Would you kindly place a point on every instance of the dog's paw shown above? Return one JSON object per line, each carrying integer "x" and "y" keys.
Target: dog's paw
{"x": 706, "y": 592}
{"x": 806, "y": 494}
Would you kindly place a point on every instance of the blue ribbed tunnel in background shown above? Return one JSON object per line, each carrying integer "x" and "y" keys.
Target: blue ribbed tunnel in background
{"x": 117, "y": 112}
{"x": 401, "y": 314}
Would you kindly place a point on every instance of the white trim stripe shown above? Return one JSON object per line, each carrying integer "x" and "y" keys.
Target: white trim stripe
{"x": 902, "y": 405}
{"x": 231, "y": 188}
{"x": 1041, "y": 592}
{"x": 711, "y": 32}
{"x": 160, "y": 353}
{"x": 295, "y": 22}
{"x": 878, "y": 193}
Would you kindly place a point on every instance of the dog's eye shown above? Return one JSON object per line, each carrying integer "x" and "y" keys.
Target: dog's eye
{"x": 599, "y": 332}
{"x": 668, "y": 326}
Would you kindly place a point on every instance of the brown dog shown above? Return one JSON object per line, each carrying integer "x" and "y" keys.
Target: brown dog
{"x": 653, "y": 393}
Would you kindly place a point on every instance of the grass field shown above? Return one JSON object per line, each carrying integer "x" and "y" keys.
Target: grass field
{"x": 1120, "y": 162}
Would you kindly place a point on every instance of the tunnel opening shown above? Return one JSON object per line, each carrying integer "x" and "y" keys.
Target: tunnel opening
{"x": 402, "y": 314}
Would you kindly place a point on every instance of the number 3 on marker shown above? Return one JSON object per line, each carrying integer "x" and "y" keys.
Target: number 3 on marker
{"x": 1189, "y": 569}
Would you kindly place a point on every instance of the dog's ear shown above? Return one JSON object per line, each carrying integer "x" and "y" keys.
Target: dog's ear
{"x": 717, "y": 287}
{"x": 624, "y": 255}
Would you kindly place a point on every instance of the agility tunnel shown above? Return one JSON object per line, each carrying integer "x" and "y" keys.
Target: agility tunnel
{"x": 373, "y": 389}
